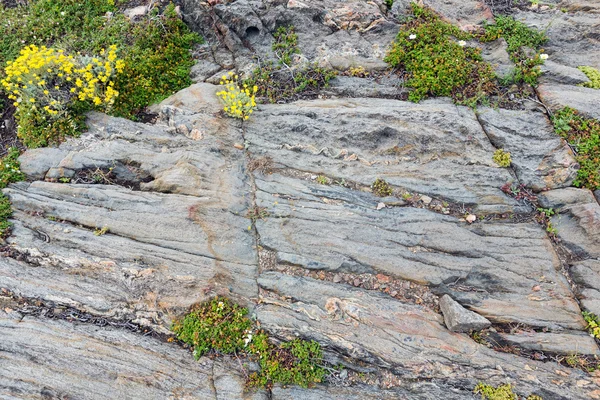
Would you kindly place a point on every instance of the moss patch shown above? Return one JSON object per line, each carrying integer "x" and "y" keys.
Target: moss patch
{"x": 583, "y": 134}
{"x": 437, "y": 60}
{"x": 593, "y": 75}
{"x": 10, "y": 172}
{"x": 518, "y": 37}
{"x": 220, "y": 326}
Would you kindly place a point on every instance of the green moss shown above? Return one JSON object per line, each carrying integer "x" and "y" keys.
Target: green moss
{"x": 518, "y": 37}
{"x": 593, "y": 75}
{"x": 502, "y": 158}
{"x": 10, "y": 172}
{"x": 221, "y": 326}
{"x": 488, "y": 392}
{"x": 593, "y": 323}
{"x": 439, "y": 63}
{"x": 381, "y": 188}
{"x": 583, "y": 134}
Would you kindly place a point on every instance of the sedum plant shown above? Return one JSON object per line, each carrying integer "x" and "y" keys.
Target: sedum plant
{"x": 239, "y": 101}
{"x": 502, "y": 158}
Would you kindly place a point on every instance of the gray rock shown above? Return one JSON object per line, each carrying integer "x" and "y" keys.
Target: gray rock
{"x": 459, "y": 319}
{"x": 586, "y": 274}
{"x": 540, "y": 158}
{"x": 579, "y": 343}
{"x": 496, "y": 54}
{"x": 560, "y": 198}
{"x": 346, "y": 86}
{"x": 203, "y": 70}
{"x": 585, "y": 100}
{"x": 558, "y": 73}
{"x": 43, "y": 358}
{"x": 35, "y": 163}
{"x": 135, "y": 12}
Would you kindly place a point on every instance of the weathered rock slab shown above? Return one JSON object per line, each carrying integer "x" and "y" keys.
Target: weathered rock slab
{"x": 459, "y": 319}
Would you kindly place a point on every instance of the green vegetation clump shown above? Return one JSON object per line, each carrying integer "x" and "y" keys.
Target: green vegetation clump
{"x": 286, "y": 44}
{"x": 381, "y": 188}
{"x": 155, "y": 54}
{"x": 488, "y": 392}
{"x": 9, "y": 172}
{"x": 435, "y": 55}
{"x": 593, "y": 324}
{"x": 593, "y": 75}
{"x": 502, "y": 158}
{"x": 583, "y": 134}
{"x": 221, "y": 326}
{"x": 518, "y": 37}
{"x": 281, "y": 81}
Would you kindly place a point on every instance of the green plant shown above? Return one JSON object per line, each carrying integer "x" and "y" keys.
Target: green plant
{"x": 287, "y": 84}
{"x": 518, "y": 37}
{"x": 489, "y": 392}
{"x": 548, "y": 212}
{"x": 322, "y": 180}
{"x": 381, "y": 188}
{"x": 583, "y": 134}
{"x": 593, "y": 323}
{"x": 389, "y": 3}
{"x": 256, "y": 213}
{"x": 10, "y": 169}
{"x": 101, "y": 231}
{"x": 593, "y": 75}
{"x": 435, "y": 55}
{"x": 286, "y": 44}
{"x": 221, "y": 326}
{"x": 218, "y": 325}
{"x": 502, "y": 158}
{"x": 295, "y": 362}
{"x": 155, "y": 52}
{"x": 5, "y": 214}
{"x": 239, "y": 101}
{"x": 10, "y": 172}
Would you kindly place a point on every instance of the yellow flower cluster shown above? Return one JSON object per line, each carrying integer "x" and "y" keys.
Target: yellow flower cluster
{"x": 47, "y": 78}
{"x": 239, "y": 101}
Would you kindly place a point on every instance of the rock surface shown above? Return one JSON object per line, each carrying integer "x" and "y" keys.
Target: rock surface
{"x": 459, "y": 319}
{"x": 279, "y": 213}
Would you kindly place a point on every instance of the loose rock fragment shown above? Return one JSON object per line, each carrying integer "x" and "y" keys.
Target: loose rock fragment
{"x": 459, "y": 319}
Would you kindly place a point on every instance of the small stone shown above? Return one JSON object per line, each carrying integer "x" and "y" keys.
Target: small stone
{"x": 337, "y": 278}
{"x": 471, "y": 218}
{"x": 239, "y": 146}
{"x": 380, "y": 206}
{"x": 383, "y": 278}
{"x": 536, "y": 288}
{"x": 426, "y": 200}
{"x": 356, "y": 282}
{"x": 459, "y": 319}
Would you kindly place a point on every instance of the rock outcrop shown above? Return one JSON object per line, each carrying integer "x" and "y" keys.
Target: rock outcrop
{"x": 278, "y": 213}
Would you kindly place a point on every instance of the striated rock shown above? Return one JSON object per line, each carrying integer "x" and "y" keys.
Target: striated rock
{"x": 540, "y": 158}
{"x": 585, "y": 100}
{"x": 554, "y": 342}
{"x": 35, "y": 163}
{"x": 459, "y": 319}
{"x": 562, "y": 74}
{"x": 586, "y": 274}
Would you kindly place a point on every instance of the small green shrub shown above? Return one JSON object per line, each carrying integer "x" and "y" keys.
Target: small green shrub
{"x": 217, "y": 325}
{"x": 593, "y": 75}
{"x": 435, "y": 55}
{"x": 10, "y": 169}
{"x": 381, "y": 188}
{"x": 502, "y": 158}
{"x": 290, "y": 363}
{"x": 10, "y": 172}
{"x": 593, "y": 323}
{"x": 584, "y": 135}
{"x": 221, "y": 326}
{"x": 518, "y": 36}
{"x": 286, "y": 44}
{"x": 284, "y": 84}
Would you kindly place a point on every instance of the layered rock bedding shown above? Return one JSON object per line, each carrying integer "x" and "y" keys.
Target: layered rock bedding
{"x": 119, "y": 232}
